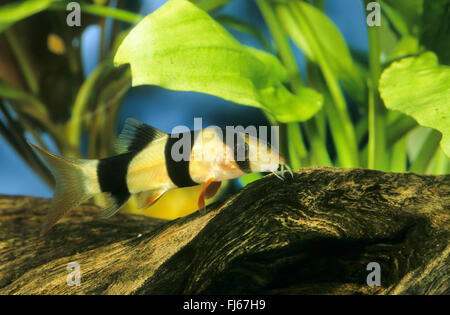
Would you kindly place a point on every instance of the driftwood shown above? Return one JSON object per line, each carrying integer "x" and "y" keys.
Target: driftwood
{"x": 314, "y": 234}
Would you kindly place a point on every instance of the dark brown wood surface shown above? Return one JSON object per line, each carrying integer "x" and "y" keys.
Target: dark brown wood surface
{"x": 314, "y": 234}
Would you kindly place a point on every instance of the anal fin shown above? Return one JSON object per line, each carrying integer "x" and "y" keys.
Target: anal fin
{"x": 110, "y": 204}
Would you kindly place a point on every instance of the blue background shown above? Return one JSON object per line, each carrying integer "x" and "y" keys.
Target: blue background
{"x": 165, "y": 109}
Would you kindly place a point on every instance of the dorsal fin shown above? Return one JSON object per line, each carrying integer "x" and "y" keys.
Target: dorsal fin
{"x": 136, "y": 135}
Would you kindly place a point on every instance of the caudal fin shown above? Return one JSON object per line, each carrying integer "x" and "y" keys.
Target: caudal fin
{"x": 76, "y": 182}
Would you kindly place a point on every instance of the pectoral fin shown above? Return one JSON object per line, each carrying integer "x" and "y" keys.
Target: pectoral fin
{"x": 210, "y": 189}
{"x": 147, "y": 198}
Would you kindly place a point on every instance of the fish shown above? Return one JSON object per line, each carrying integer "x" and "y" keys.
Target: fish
{"x": 149, "y": 163}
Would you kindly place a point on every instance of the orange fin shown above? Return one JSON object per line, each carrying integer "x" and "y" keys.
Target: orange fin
{"x": 210, "y": 189}
{"x": 148, "y": 198}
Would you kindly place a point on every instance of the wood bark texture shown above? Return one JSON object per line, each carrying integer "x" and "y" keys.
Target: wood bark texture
{"x": 313, "y": 234}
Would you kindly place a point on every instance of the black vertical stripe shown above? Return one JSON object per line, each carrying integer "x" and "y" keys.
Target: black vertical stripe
{"x": 238, "y": 145}
{"x": 112, "y": 176}
{"x": 179, "y": 170}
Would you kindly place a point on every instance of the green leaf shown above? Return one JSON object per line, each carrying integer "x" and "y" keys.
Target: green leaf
{"x": 331, "y": 42}
{"x": 436, "y": 28}
{"x": 397, "y": 20}
{"x": 27, "y": 102}
{"x": 410, "y": 10}
{"x": 420, "y": 87}
{"x": 210, "y": 5}
{"x": 180, "y": 47}
{"x": 30, "y": 105}
{"x": 13, "y": 12}
{"x": 407, "y": 46}
{"x": 243, "y": 27}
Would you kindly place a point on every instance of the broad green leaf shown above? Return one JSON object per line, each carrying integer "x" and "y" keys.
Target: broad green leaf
{"x": 15, "y": 11}
{"x": 420, "y": 87}
{"x": 180, "y": 47}
{"x": 331, "y": 42}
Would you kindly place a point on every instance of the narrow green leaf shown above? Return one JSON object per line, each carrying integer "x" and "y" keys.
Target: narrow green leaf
{"x": 420, "y": 87}
{"x": 399, "y": 128}
{"x": 74, "y": 126}
{"x": 407, "y": 46}
{"x": 243, "y": 27}
{"x": 398, "y": 156}
{"x": 180, "y": 47}
{"x": 210, "y": 5}
{"x": 440, "y": 163}
{"x": 27, "y": 102}
{"x": 396, "y": 19}
{"x": 426, "y": 153}
{"x": 410, "y": 11}
{"x": 435, "y": 31}
{"x": 331, "y": 42}
{"x": 13, "y": 12}
{"x": 336, "y": 110}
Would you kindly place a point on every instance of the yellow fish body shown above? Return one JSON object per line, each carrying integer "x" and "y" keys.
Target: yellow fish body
{"x": 151, "y": 162}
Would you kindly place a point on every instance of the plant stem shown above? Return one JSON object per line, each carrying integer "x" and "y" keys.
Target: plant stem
{"x": 123, "y": 15}
{"x": 377, "y": 112}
